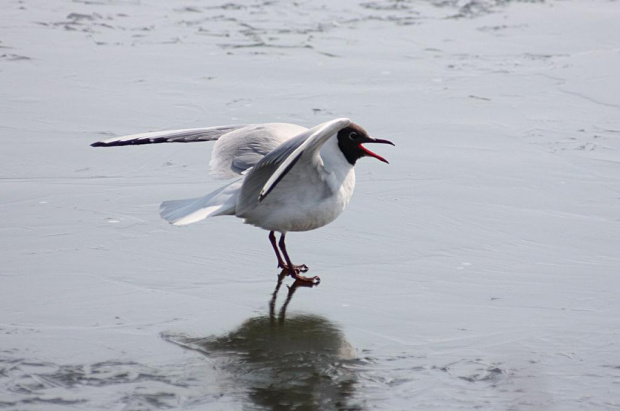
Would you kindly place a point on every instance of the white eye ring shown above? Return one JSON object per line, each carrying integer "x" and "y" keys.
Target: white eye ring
{"x": 353, "y": 135}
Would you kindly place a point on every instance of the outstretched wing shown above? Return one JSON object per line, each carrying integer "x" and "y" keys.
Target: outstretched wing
{"x": 272, "y": 168}
{"x": 190, "y": 135}
{"x": 242, "y": 149}
{"x": 238, "y": 148}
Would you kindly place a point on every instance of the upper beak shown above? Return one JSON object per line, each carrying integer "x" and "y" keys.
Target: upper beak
{"x": 371, "y": 154}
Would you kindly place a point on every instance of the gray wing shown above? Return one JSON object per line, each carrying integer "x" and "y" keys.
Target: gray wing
{"x": 190, "y": 135}
{"x": 272, "y": 168}
{"x": 242, "y": 149}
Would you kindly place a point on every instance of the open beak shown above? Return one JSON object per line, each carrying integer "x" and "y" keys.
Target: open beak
{"x": 371, "y": 154}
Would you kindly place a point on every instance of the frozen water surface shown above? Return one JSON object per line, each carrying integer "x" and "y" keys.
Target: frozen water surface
{"x": 479, "y": 270}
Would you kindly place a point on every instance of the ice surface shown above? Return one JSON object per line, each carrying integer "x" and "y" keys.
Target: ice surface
{"x": 479, "y": 270}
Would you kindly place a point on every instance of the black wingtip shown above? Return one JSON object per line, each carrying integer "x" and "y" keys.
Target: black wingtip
{"x": 137, "y": 142}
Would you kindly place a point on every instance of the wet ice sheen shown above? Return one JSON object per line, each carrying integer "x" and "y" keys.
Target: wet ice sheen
{"x": 280, "y": 360}
{"x": 477, "y": 271}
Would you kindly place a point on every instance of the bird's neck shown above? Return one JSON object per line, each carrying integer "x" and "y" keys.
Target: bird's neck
{"x": 334, "y": 160}
{"x": 339, "y": 174}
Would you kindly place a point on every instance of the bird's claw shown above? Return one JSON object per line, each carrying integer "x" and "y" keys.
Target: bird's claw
{"x": 295, "y": 268}
{"x": 300, "y": 279}
{"x": 309, "y": 281}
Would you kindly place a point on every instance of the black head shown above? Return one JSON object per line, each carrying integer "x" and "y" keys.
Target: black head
{"x": 350, "y": 140}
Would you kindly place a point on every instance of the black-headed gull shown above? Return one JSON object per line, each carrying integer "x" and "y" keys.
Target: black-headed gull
{"x": 292, "y": 178}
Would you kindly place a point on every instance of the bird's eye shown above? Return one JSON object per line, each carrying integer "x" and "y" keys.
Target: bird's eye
{"x": 353, "y": 135}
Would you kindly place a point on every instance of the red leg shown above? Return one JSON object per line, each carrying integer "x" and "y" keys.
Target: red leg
{"x": 272, "y": 239}
{"x": 294, "y": 270}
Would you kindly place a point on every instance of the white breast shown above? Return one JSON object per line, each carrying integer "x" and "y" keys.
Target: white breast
{"x": 309, "y": 196}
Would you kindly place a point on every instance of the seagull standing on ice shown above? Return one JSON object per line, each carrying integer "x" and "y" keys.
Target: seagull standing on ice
{"x": 292, "y": 178}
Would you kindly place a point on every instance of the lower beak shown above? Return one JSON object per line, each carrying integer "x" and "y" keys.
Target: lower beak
{"x": 371, "y": 154}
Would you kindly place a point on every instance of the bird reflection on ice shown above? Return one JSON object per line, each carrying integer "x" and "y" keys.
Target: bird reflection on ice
{"x": 299, "y": 361}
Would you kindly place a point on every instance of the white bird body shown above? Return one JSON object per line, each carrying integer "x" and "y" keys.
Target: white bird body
{"x": 291, "y": 178}
{"x": 309, "y": 196}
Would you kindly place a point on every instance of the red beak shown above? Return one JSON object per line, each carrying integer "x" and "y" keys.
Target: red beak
{"x": 371, "y": 154}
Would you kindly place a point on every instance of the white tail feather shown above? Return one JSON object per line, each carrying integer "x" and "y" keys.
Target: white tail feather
{"x": 220, "y": 202}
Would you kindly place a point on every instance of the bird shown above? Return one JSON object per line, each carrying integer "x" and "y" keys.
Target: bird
{"x": 289, "y": 178}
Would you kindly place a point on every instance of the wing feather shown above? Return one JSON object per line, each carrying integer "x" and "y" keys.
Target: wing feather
{"x": 310, "y": 146}
{"x": 270, "y": 170}
{"x": 242, "y": 149}
{"x": 189, "y": 135}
